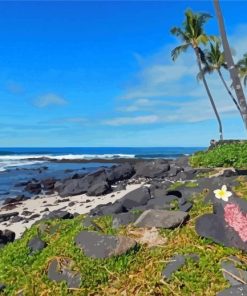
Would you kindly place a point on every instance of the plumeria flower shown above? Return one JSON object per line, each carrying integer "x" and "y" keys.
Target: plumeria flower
{"x": 222, "y": 193}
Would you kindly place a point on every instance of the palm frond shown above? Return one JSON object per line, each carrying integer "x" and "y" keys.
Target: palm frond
{"x": 203, "y": 38}
{"x": 178, "y": 50}
{"x": 202, "y": 56}
{"x": 205, "y": 70}
{"x": 203, "y": 18}
{"x": 215, "y": 39}
{"x": 178, "y": 32}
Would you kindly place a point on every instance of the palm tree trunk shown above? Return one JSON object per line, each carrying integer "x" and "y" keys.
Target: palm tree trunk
{"x": 230, "y": 64}
{"x": 208, "y": 91}
{"x": 229, "y": 92}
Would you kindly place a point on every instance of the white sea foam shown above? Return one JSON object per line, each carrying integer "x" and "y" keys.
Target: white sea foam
{"x": 8, "y": 164}
{"x": 7, "y": 161}
{"x": 91, "y": 156}
{"x": 65, "y": 156}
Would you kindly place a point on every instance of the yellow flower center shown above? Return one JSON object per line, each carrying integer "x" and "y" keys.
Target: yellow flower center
{"x": 221, "y": 193}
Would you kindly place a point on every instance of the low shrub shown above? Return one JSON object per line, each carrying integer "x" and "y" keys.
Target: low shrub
{"x": 225, "y": 155}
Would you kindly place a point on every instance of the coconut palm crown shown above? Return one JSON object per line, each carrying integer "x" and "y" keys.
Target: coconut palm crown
{"x": 242, "y": 67}
{"x": 192, "y": 35}
{"x": 215, "y": 61}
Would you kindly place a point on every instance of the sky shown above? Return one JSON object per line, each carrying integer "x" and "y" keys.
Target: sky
{"x": 93, "y": 74}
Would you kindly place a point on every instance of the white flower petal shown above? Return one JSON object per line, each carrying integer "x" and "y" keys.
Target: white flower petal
{"x": 225, "y": 198}
{"x": 224, "y": 188}
{"x": 228, "y": 194}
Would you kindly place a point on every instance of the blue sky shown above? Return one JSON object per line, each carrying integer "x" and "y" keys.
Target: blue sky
{"x": 100, "y": 74}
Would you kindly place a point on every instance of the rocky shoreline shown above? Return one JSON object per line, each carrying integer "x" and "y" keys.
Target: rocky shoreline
{"x": 142, "y": 194}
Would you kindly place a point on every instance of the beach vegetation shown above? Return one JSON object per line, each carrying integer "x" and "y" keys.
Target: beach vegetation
{"x": 136, "y": 273}
{"x": 224, "y": 155}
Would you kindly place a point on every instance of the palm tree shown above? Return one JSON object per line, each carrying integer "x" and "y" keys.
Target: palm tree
{"x": 192, "y": 35}
{"x": 214, "y": 62}
{"x": 242, "y": 67}
{"x": 236, "y": 83}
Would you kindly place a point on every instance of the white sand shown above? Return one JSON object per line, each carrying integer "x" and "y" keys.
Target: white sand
{"x": 36, "y": 206}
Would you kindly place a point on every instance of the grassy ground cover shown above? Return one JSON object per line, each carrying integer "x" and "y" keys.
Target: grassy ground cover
{"x": 136, "y": 273}
{"x": 225, "y": 155}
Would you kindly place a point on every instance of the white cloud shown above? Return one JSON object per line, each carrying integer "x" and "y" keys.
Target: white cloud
{"x": 132, "y": 120}
{"x": 171, "y": 92}
{"x": 50, "y": 99}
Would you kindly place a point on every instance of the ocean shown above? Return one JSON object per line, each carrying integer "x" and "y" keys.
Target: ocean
{"x": 23, "y": 164}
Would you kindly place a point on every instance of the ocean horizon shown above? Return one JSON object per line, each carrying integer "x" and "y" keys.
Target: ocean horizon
{"x": 11, "y": 157}
{"x": 19, "y": 165}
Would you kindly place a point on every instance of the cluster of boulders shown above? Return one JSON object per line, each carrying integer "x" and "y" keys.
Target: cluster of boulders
{"x": 154, "y": 205}
{"x": 101, "y": 181}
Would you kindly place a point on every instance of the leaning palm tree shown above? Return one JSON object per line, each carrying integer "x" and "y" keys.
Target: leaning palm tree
{"x": 236, "y": 83}
{"x": 242, "y": 68}
{"x": 214, "y": 62}
{"x": 192, "y": 35}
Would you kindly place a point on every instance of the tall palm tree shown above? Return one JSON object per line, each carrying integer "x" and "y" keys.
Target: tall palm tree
{"x": 192, "y": 35}
{"x": 214, "y": 62}
{"x": 242, "y": 67}
{"x": 236, "y": 83}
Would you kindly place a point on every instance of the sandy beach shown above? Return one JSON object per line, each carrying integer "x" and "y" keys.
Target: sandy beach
{"x": 82, "y": 205}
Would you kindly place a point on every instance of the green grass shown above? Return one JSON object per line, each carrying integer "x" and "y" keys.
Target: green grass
{"x": 179, "y": 184}
{"x": 225, "y": 155}
{"x": 136, "y": 273}
{"x": 22, "y": 272}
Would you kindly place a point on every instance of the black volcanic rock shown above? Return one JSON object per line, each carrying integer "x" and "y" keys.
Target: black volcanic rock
{"x": 58, "y": 214}
{"x": 231, "y": 272}
{"x": 33, "y": 187}
{"x": 159, "y": 203}
{"x": 108, "y": 209}
{"x": 60, "y": 271}
{"x": 186, "y": 175}
{"x": 7, "y": 216}
{"x": 16, "y": 219}
{"x": 120, "y": 173}
{"x": 16, "y": 199}
{"x": 240, "y": 290}
{"x": 216, "y": 225}
{"x": 161, "y": 219}
{"x": 124, "y": 219}
{"x": 96, "y": 245}
{"x": 186, "y": 207}
{"x": 135, "y": 198}
{"x": 97, "y": 183}
{"x": 158, "y": 189}
{"x": 176, "y": 263}
{"x": 82, "y": 185}
{"x": 2, "y": 287}
{"x": 152, "y": 169}
{"x": 6, "y": 237}
{"x": 48, "y": 184}
{"x": 36, "y": 244}
{"x": 99, "y": 189}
